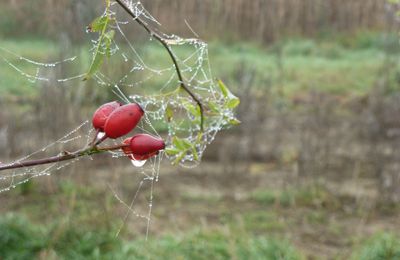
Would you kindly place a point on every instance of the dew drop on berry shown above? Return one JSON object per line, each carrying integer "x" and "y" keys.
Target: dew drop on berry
{"x": 137, "y": 163}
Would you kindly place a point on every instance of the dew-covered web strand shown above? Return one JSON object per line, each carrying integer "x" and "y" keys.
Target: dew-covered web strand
{"x": 129, "y": 207}
{"x": 150, "y": 202}
{"x": 30, "y": 77}
{"x": 48, "y": 171}
{"x": 61, "y": 140}
{"x": 23, "y": 175}
{"x": 37, "y": 63}
{"x": 149, "y": 175}
{"x": 43, "y": 67}
{"x": 33, "y": 172}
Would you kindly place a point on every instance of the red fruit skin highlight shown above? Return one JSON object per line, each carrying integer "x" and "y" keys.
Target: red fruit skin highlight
{"x": 144, "y": 144}
{"x": 123, "y": 120}
{"x": 101, "y": 115}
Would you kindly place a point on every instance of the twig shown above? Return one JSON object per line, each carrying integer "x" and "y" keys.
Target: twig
{"x": 65, "y": 157}
{"x": 165, "y": 44}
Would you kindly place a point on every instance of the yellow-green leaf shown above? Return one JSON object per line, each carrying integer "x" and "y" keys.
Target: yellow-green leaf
{"x": 225, "y": 91}
{"x": 179, "y": 158}
{"x": 96, "y": 63}
{"x": 213, "y": 106}
{"x": 234, "y": 121}
{"x": 195, "y": 154}
{"x": 233, "y": 102}
{"x": 98, "y": 24}
{"x": 172, "y": 151}
{"x": 181, "y": 144}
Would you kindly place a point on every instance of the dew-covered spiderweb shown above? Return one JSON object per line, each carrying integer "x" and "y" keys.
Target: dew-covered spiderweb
{"x": 138, "y": 69}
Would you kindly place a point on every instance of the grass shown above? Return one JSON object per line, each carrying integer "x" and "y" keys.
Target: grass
{"x": 293, "y": 65}
{"x": 20, "y": 239}
{"x": 305, "y": 64}
{"x": 82, "y": 220}
{"x": 314, "y": 195}
{"x": 382, "y": 246}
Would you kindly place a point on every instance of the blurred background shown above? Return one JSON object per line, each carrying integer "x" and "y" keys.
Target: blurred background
{"x": 313, "y": 171}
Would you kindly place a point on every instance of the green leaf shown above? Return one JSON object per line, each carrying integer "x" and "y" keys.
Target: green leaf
{"x": 109, "y": 35}
{"x": 186, "y": 144}
{"x": 108, "y": 38}
{"x": 195, "y": 154}
{"x": 172, "y": 151}
{"x": 234, "y": 121}
{"x": 177, "y": 143}
{"x": 96, "y": 63}
{"x": 102, "y": 49}
{"x": 194, "y": 110}
{"x": 179, "y": 158}
{"x": 233, "y": 102}
{"x": 225, "y": 91}
{"x": 98, "y": 24}
{"x": 181, "y": 144}
{"x": 213, "y": 106}
{"x": 199, "y": 137}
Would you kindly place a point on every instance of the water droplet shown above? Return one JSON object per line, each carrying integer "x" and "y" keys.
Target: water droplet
{"x": 137, "y": 163}
{"x": 100, "y": 135}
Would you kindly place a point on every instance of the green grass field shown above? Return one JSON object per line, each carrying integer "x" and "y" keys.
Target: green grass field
{"x": 336, "y": 66}
{"x": 81, "y": 224}
{"x": 19, "y": 239}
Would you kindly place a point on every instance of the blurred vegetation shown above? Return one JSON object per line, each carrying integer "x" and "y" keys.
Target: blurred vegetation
{"x": 268, "y": 222}
{"x": 340, "y": 66}
{"x": 263, "y": 21}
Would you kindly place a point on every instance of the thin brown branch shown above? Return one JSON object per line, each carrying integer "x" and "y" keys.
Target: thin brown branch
{"x": 60, "y": 158}
{"x": 165, "y": 44}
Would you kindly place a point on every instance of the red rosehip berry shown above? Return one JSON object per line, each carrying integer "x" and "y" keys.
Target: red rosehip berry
{"x": 142, "y": 147}
{"x": 102, "y": 113}
{"x": 144, "y": 144}
{"x": 123, "y": 120}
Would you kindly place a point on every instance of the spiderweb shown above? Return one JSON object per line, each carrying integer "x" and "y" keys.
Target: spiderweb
{"x": 144, "y": 75}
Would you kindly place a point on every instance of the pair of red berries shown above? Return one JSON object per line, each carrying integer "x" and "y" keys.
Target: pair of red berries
{"x": 117, "y": 120}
